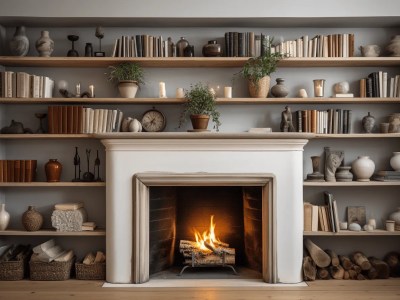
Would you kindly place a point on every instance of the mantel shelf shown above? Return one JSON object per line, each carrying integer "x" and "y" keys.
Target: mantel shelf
{"x": 193, "y": 62}
{"x": 44, "y": 136}
{"x": 357, "y": 136}
{"x": 377, "y": 232}
{"x": 52, "y": 184}
{"x": 51, "y": 232}
{"x": 352, "y": 184}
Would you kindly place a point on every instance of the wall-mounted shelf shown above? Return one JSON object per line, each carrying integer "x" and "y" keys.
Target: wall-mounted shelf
{"x": 44, "y": 136}
{"x": 377, "y": 232}
{"x": 52, "y": 184}
{"x": 50, "y": 232}
{"x": 352, "y": 183}
{"x": 357, "y": 136}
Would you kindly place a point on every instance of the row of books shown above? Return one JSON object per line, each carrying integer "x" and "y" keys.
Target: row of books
{"x": 323, "y": 217}
{"x": 18, "y": 170}
{"x": 142, "y": 46}
{"x": 24, "y": 85}
{"x": 75, "y": 119}
{"x": 331, "y": 121}
{"x": 377, "y": 84}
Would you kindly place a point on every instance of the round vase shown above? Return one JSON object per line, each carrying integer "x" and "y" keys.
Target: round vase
{"x": 279, "y": 90}
{"x": 363, "y": 168}
{"x": 259, "y": 89}
{"x": 212, "y": 49}
{"x": 395, "y": 216}
{"x": 53, "y": 170}
{"x": 32, "y": 219}
{"x": 394, "y": 123}
{"x": 343, "y": 174}
{"x": 395, "y": 161}
{"x": 180, "y": 47}
{"x": 19, "y": 44}
{"x": 45, "y": 45}
{"x": 368, "y": 123}
{"x": 4, "y": 217}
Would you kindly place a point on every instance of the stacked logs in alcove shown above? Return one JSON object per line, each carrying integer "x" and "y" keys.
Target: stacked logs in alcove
{"x": 218, "y": 254}
{"x": 320, "y": 264}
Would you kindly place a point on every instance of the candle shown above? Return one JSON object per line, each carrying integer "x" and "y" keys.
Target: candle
{"x": 78, "y": 90}
{"x": 91, "y": 90}
{"x": 228, "y": 92}
{"x": 372, "y": 222}
{"x": 319, "y": 87}
{"x": 180, "y": 93}
{"x": 318, "y": 91}
{"x": 162, "y": 93}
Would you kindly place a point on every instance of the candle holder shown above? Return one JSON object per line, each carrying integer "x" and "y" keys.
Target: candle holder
{"x": 73, "y": 52}
{"x": 319, "y": 87}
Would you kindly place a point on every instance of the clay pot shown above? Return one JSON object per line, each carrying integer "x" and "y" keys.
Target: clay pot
{"x": 212, "y": 49}
{"x": 127, "y": 88}
{"x": 200, "y": 122}
{"x": 343, "y": 174}
{"x": 53, "y": 170}
{"x": 279, "y": 90}
{"x": 32, "y": 219}
{"x": 19, "y": 44}
{"x": 368, "y": 123}
{"x": 4, "y": 217}
{"x": 45, "y": 45}
{"x": 363, "y": 168}
{"x": 261, "y": 88}
{"x": 395, "y": 161}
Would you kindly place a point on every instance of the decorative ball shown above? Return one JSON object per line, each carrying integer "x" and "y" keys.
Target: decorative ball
{"x": 342, "y": 87}
{"x": 355, "y": 227}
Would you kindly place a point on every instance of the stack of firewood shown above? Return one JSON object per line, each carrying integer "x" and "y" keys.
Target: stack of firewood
{"x": 320, "y": 264}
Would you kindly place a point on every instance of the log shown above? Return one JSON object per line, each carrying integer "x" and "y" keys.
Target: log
{"x": 334, "y": 257}
{"x": 211, "y": 260}
{"x": 345, "y": 262}
{"x": 372, "y": 273}
{"x": 318, "y": 255}
{"x": 393, "y": 261}
{"x": 357, "y": 269}
{"x": 382, "y": 268}
{"x": 346, "y": 275}
{"x": 323, "y": 273}
{"x": 220, "y": 249}
{"x": 309, "y": 269}
{"x": 361, "y": 260}
{"x": 360, "y": 277}
{"x": 353, "y": 274}
{"x": 336, "y": 272}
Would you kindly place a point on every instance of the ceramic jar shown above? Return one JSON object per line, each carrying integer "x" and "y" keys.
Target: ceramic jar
{"x": 212, "y": 49}
{"x": 32, "y": 219}
{"x": 394, "y": 123}
{"x": 343, "y": 174}
{"x": 19, "y": 44}
{"x": 53, "y": 170}
{"x": 368, "y": 123}
{"x": 45, "y": 45}
{"x": 395, "y": 216}
{"x": 279, "y": 90}
{"x": 4, "y": 217}
{"x": 395, "y": 161}
{"x": 180, "y": 47}
{"x": 394, "y": 46}
{"x": 363, "y": 168}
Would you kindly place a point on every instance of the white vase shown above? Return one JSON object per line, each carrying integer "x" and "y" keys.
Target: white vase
{"x": 395, "y": 216}
{"x": 363, "y": 168}
{"x": 127, "y": 88}
{"x": 45, "y": 45}
{"x": 4, "y": 217}
{"x": 395, "y": 161}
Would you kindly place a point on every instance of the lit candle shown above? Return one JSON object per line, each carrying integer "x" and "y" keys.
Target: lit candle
{"x": 180, "y": 93}
{"x": 91, "y": 90}
{"x": 162, "y": 93}
{"x": 228, "y": 92}
{"x": 318, "y": 91}
{"x": 78, "y": 90}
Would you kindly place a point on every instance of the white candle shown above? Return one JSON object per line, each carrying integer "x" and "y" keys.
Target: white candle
{"x": 78, "y": 90}
{"x": 180, "y": 93}
{"x": 162, "y": 93}
{"x": 91, "y": 90}
{"x": 228, "y": 92}
{"x": 318, "y": 91}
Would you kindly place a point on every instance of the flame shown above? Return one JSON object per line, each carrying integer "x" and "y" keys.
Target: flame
{"x": 207, "y": 236}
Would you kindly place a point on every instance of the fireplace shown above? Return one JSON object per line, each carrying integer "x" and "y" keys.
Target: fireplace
{"x": 139, "y": 163}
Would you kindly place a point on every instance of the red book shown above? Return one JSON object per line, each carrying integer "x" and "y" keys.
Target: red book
{"x": 1, "y": 170}
{"x": 70, "y": 119}
{"x": 10, "y": 170}
{"x": 22, "y": 170}
{"x": 28, "y": 170}
{"x": 64, "y": 124}
{"x": 17, "y": 171}
{"x": 75, "y": 119}
{"x": 50, "y": 119}
{"x": 80, "y": 119}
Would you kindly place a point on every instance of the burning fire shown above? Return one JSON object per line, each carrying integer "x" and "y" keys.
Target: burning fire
{"x": 207, "y": 236}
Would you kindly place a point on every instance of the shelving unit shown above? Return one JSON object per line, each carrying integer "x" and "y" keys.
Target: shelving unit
{"x": 351, "y": 184}
{"x": 52, "y": 184}
{"x": 376, "y": 232}
{"x": 50, "y": 232}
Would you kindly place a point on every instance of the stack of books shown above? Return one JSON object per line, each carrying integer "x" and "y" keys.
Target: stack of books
{"x": 387, "y": 176}
{"x": 142, "y": 46}
{"x": 377, "y": 84}
{"x": 18, "y": 170}
{"x": 331, "y": 121}
{"x": 24, "y": 85}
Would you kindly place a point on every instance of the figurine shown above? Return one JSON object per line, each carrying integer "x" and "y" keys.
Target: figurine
{"x": 99, "y": 34}
{"x": 286, "y": 121}
{"x": 97, "y": 166}
{"x": 77, "y": 164}
{"x": 333, "y": 159}
{"x": 15, "y": 128}
{"x": 88, "y": 176}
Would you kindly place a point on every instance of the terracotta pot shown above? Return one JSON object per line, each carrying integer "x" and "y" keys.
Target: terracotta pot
{"x": 32, "y": 219}
{"x": 200, "y": 121}
{"x": 127, "y": 88}
{"x": 261, "y": 88}
{"x": 53, "y": 170}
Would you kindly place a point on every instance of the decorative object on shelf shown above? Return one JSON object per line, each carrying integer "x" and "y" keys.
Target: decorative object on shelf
{"x": 343, "y": 225}
{"x": 215, "y": 89}
{"x": 72, "y": 52}
{"x": 15, "y": 128}
{"x": 32, "y": 220}
{"x": 354, "y": 227}
{"x": 279, "y": 90}
{"x": 180, "y": 47}
{"x": 97, "y": 167}
{"x": 370, "y": 50}
{"x": 63, "y": 89}
{"x": 286, "y": 121}
{"x": 395, "y": 216}
{"x": 129, "y": 76}
{"x": 77, "y": 165}
{"x": 368, "y": 227}
{"x": 131, "y": 125}
{"x": 316, "y": 175}
{"x": 363, "y": 168}
{"x": 319, "y": 87}
{"x": 343, "y": 174}
{"x": 161, "y": 90}
{"x": 394, "y": 46}
{"x": 389, "y": 225}
{"x": 68, "y": 217}
{"x": 368, "y": 123}
{"x": 41, "y": 117}
{"x": 227, "y": 92}
{"x": 394, "y": 123}
{"x": 153, "y": 120}
{"x": 200, "y": 106}
{"x": 372, "y": 222}
{"x": 212, "y": 49}
{"x": 91, "y": 91}
{"x": 53, "y": 169}
{"x": 100, "y": 35}
{"x": 384, "y": 127}
{"x": 19, "y": 44}
{"x": 78, "y": 90}
{"x": 4, "y": 217}
{"x": 180, "y": 93}
{"x": 395, "y": 161}
{"x": 88, "y": 50}
{"x": 45, "y": 45}
{"x": 188, "y": 51}
{"x": 356, "y": 214}
{"x": 342, "y": 87}
{"x": 88, "y": 176}
{"x": 333, "y": 159}
{"x": 302, "y": 93}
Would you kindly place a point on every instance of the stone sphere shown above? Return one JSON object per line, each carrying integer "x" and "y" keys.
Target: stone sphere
{"x": 342, "y": 87}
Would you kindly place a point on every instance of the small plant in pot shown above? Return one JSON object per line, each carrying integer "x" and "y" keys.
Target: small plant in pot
{"x": 257, "y": 70}
{"x": 129, "y": 76}
{"x": 200, "y": 106}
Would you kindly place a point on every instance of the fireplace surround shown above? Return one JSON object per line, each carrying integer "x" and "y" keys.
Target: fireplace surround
{"x": 134, "y": 162}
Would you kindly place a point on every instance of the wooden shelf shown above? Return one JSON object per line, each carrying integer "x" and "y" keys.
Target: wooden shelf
{"x": 193, "y": 62}
{"x": 357, "y": 136}
{"x": 45, "y": 136}
{"x": 50, "y": 232}
{"x": 52, "y": 184}
{"x": 352, "y": 183}
{"x": 377, "y": 232}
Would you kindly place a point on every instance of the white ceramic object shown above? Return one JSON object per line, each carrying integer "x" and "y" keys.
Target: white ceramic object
{"x": 394, "y": 46}
{"x": 343, "y": 225}
{"x": 354, "y": 227}
{"x": 395, "y": 216}
{"x": 19, "y": 44}
{"x": 395, "y": 161}
{"x": 45, "y": 45}
{"x": 370, "y": 50}
{"x": 125, "y": 124}
{"x": 4, "y": 217}
{"x": 134, "y": 126}
{"x": 127, "y": 88}
{"x": 302, "y": 93}
{"x": 363, "y": 168}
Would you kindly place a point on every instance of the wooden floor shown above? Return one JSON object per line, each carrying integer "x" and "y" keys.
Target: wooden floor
{"x": 77, "y": 289}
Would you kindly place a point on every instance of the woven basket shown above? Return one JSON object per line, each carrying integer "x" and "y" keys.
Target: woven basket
{"x": 95, "y": 271}
{"x": 12, "y": 270}
{"x": 54, "y": 270}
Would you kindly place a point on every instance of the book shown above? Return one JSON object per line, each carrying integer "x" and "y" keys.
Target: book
{"x": 88, "y": 226}
{"x": 68, "y": 206}
{"x": 349, "y": 95}
{"x": 336, "y": 215}
{"x": 44, "y": 246}
{"x": 314, "y": 220}
{"x": 328, "y": 197}
{"x": 307, "y": 216}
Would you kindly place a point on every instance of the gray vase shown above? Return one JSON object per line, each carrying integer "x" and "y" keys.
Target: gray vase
{"x": 45, "y": 45}
{"x": 19, "y": 44}
{"x": 279, "y": 90}
{"x": 180, "y": 47}
{"x": 343, "y": 174}
{"x": 368, "y": 123}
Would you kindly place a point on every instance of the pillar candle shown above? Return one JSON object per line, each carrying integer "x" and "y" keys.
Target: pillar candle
{"x": 180, "y": 93}
{"x": 228, "y": 92}
{"x": 162, "y": 93}
{"x": 91, "y": 90}
{"x": 78, "y": 90}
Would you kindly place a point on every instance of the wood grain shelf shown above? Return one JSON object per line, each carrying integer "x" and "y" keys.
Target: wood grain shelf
{"x": 377, "y": 232}
{"x": 352, "y": 184}
{"x": 52, "y": 184}
{"x": 50, "y": 232}
{"x": 357, "y": 136}
{"x": 44, "y": 136}
{"x": 193, "y": 62}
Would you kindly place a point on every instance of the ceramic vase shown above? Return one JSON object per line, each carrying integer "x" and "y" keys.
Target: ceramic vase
{"x": 395, "y": 161}
{"x": 279, "y": 90}
{"x": 259, "y": 89}
{"x": 363, "y": 168}
{"x": 212, "y": 49}
{"x": 395, "y": 216}
{"x": 368, "y": 123}
{"x": 180, "y": 47}
{"x": 394, "y": 123}
{"x": 343, "y": 174}
{"x": 32, "y": 220}
{"x": 53, "y": 170}
{"x": 19, "y": 44}
{"x": 4, "y": 217}
{"x": 45, "y": 45}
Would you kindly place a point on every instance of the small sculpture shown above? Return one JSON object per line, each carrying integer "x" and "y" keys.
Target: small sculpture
{"x": 333, "y": 159}
{"x": 40, "y": 116}
{"x": 15, "y": 128}
{"x": 88, "y": 176}
{"x": 302, "y": 93}
{"x": 97, "y": 166}
{"x": 99, "y": 34}
{"x": 342, "y": 87}
{"x": 77, "y": 164}
{"x": 73, "y": 52}
{"x": 286, "y": 121}
{"x": 316, "y": 175}
{"x": 368, "y": 123}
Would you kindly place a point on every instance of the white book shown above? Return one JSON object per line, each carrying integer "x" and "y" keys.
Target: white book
{"x": 113, "y": 120}
{"x": 114, "y": 52}
{"x": 35, "y": 86}
{"x": 305, "y": 46}
{"x": 380, "y": 79}
{"x": 314, "y": 218}
{"x": 348, "y": 95}
{"x": 396, "y": 84}
{"x": 384, "y": 83}
{"x": 96, "y": 121}
{"x": 325, "y": 47}
{"x": 310, "y": 47}
{"x": 391, "y": 93}
{"x": 41, "y": 89}
{"x": 104, "y": 123}
{"x": 91, "y": 120}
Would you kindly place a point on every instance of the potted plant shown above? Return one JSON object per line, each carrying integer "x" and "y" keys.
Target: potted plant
{"x": 257, "y": 70}
{"x": 200, "y": 106}
{"x": 129, "y": 76}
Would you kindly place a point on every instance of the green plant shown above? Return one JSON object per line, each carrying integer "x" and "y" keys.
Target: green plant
{"x": 126, "y": 71}
{"x": 200, "y": 101}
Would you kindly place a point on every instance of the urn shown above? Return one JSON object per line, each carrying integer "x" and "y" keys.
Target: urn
{"x": 363, "y": 168}
{"x": 395, "y": 161}
{"x": 4, "y": 217}
{"x": 53, "y": 170}
{"x": 45, "y": 45}
{"x": 32, "y": 219}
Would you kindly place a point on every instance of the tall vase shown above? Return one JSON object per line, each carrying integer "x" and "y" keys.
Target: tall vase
{"x": 19, "y": 44}
{"x": 363, "y": 168}
{"x": 395, "y": 161}
{"x": 32, "y": 219}
{"x": 53, "y": 170}
{"x": 45, "y": 45}
{"x": 4, "y": 217}
{"x": 261, "y": 88}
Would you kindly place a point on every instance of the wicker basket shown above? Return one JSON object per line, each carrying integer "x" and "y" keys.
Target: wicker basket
{"x": 12, "y": 270}
{"x": 54, "y": 270}
{"x": 95, "y": 271}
